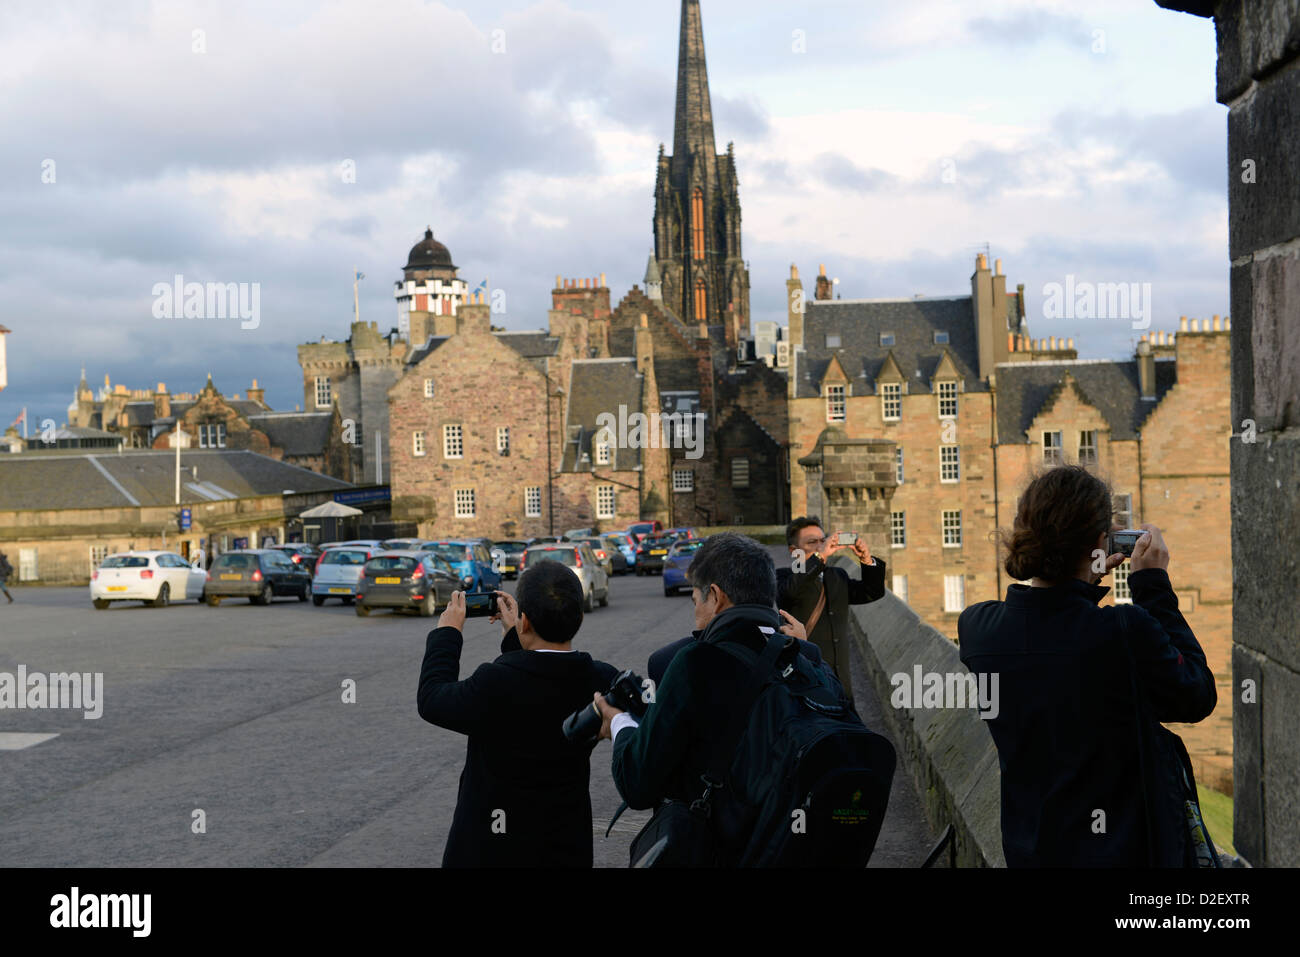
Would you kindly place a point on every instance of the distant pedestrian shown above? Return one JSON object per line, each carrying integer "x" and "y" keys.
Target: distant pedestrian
{"x": 5, "y": 571}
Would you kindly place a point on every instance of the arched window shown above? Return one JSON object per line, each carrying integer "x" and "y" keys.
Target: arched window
{"x": 701, "y": 300}
{"x": 697, "y": 222}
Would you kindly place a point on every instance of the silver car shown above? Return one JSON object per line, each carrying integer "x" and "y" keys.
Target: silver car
{"x": 582, "y": 561}
{"x": 338, "y": 572}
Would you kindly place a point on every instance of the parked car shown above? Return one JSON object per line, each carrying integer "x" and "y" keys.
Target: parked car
{"x": 580, "y": 559}
{"x": 626, "y": 544}
{"x": 338, "y": 572}
{"x": 156, "y": 578}
{"x": 370, "y": 544}
{"x": 544, "y": 540}
{"x": 402, "y": 544}
{"x": 676, "y": 562}
{"x": 598, "y": 549}
{"x": 410, "y": 580}
{"x": 473, "y": 564}
{"x": 511, "y": 553}
{"x": 639, "y": 530}
{"x": 302, "y": 554}
{"x": 258, "y": 574}
{"x": 687, "y": 533}
{"x": 575, "y": 533}
{"x": 650, "y": 553}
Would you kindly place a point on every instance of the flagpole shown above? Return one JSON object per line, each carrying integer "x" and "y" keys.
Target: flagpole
{"x": 356, "y": 302}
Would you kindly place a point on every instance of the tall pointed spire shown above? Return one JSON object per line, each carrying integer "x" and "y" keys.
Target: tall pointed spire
{"x": 693, "y": 130}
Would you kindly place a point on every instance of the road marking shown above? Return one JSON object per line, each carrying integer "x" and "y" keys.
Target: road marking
{"x": 16, "y": 740}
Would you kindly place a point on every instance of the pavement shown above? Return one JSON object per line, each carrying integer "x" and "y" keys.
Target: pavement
{"x": 226, "y": 739}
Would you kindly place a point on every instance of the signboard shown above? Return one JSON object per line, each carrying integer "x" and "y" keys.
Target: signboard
{"x": 239, "y": 544}
{"x": 185, "y": 519}
{"x": 362, "y": 496}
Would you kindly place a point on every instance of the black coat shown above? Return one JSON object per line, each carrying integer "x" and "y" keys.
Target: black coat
{"x": 797, "y": 594}
{"x": 658, "y": 664}
{"x": 1067, "y": 729}
{"x": 518, "y": 760}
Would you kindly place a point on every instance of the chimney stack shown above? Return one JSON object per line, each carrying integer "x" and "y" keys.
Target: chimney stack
{"x": 1146, "y": 361}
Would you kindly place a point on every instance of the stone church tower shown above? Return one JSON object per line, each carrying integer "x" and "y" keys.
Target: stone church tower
{"x": 697, "y": 204}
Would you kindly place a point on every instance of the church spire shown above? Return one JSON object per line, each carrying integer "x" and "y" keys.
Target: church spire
{"x": 693, "y": 130}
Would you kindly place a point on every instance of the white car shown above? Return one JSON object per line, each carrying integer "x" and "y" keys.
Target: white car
{"x": 157, "y": 578}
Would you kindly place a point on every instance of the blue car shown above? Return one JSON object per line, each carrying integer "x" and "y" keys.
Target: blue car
{"x": 676, "y": 562}
{"x": 627, "y": 546}
{"x": 473, "y": 565}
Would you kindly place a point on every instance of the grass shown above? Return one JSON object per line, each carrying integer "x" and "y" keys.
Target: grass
{"x": 1216, "y": 808}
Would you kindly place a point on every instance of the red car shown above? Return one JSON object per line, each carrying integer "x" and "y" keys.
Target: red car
{"x": 640, "y": 530}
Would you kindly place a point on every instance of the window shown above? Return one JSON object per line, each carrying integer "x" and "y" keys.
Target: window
{"x": 740, "y": 473}
{"x": 464, "y": 503}
{"x": 212, "y": 436}
{"x": 604, "y": 501}
{"x": 886, "y": 338}
{"x": 891, "y": 397}
{"x": 697, "y": 224}
{"x": 1088, "y": 447}
{"x": 954, "y": 592}
{"x": 97, "y": 555}
{"x": 952, "y": 528}
{"x": 683, "y": 480}
{"x": 898, "y": 463}
{"x": 1119, "y": 582}
{"x": 832, "y": 340}
{"x": 1124, "y": 511}
{"x": 417, "y": 443}
{"x": 900, "y": 588}
{"x": 453, "y": 442}
{"x": 940, "y": 338}
{"x": 428, "y": 388}
{"x": 503, "y": 440}
{"x": 701, "y": 301}
{"x": 533, "y": 501}
{"x": 835, "y": 403}
{"x": 322, "y": 392}
{"x": 947, "y": 400}
{"x": 1052, "y": 448}
{"x": 601, "y": 447}
{"x": 949, "y": 464}
{"x": 29, "y": 569}
{"x": 898, "y": 529}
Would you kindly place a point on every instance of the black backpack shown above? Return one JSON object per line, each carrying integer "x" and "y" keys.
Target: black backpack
{"x": 808, "y": 783}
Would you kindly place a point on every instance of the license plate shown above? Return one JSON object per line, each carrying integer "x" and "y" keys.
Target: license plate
{"x": 509, "y": 568}
{"x": 231, "y": 578}
{"x": 117, "y": 588}
{"x": 658, "y": 551}
{"x": 340, "y": 591}
{"x": 388, "y": 581}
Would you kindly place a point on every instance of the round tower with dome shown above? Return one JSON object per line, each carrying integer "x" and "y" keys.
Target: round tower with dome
{"x": 429, "y": 293}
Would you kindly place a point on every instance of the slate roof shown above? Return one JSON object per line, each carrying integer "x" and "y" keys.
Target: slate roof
{"x": 419, "y": 354}
{"x": 1111, "y": 387}
{"x": 32, "y": 481}
{"x": 596, "y": 386}
{"x": 913, "y": 322}
{"x": 298, "y": 433}
{"x": 532, "y": 344}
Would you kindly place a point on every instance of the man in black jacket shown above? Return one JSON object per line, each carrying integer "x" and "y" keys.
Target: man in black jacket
{"x": 524, "y": 797}
{"x": 819, "y": 595}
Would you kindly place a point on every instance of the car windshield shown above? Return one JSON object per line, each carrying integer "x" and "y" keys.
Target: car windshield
{"x": 125, "y": 561}
{"x": 453, "y": 553}
{"x": 391, "y": 563}
{"x": 343, "y": 556}
{"x": 685, "y": 548}
{"x": 237, "y": 561}
{"x": 512, "y": 546}
{"x": 565, "y": 556}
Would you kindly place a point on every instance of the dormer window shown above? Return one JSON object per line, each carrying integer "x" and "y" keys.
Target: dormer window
{"x": 940, "y": 338}
{"x": 835, "y": 411}
{"x": 886, "y": 338}
{"x": 832, "y": 340}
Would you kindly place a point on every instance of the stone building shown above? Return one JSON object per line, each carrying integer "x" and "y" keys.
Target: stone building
{"x": 968, "y": 408}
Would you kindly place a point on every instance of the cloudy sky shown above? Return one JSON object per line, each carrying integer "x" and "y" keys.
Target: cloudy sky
{"x": 891, "y": 141}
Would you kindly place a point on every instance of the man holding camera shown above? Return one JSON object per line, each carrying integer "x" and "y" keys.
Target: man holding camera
{"x": 819, "y": 595}
{"x": 524, "y": 798}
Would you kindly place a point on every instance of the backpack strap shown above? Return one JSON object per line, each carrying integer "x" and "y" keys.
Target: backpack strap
{"x": 725, "y": 747}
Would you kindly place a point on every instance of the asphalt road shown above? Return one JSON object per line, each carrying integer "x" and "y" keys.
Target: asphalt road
{"x": 238, "y": 712}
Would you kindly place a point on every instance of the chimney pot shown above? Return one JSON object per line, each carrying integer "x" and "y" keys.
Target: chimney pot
{"x": 794, "y": 271}
{"x": 1227, "y": 323}
{"x": 1182, "y": 323}
{"x": 981, "y": 261}
{"x": 602, "y": 280}
{"x": 997, "y": 267}
{"x": 821, "y": 269}
{"x": 558, "y": 280}
{"x": 1216, "y": 324}
{"x": 1069, "y": 343}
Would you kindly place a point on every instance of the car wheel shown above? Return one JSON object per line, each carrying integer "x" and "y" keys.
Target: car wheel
{"x": 362, "y": 610}
{"x": 265, "y": 598}
{"x": 428, "y": 606}
{"x": 604, "y": 599}
{"x": 587, "y": 604}
{"x": 164, "y": 597}
{"x": 318, "y": 600}
{"x": 212, "y": 600}
{"x": 101, "y": 603}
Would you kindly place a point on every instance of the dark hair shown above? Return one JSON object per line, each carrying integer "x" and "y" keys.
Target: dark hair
{"x": 550, "y": 594}
{"x": 798, "y": 525}
{"x": 1060, "y": 515}
{"x": 739, "y": 566}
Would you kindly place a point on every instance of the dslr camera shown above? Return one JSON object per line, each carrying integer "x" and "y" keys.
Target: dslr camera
{"x": 583, "y": 726}
{"x": 1122, "y": 541}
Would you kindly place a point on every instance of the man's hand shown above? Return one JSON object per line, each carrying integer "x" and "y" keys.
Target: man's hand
{"x": 793, "y": 626}
{"x": 453, "y": 616}
{"x": 862, "y": 551}
{"x": 507, "y": 612}
{"x": 607, "y": 713}
{"x": 1150, "y": 550}
{"x": 829, "y": 546}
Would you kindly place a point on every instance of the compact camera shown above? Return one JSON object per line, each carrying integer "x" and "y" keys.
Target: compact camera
{"x": 848, "y": 538}
{"x": 493, "y": 608}
{"x": 1122, "y": 541}
{"x": 625, "y": 694}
